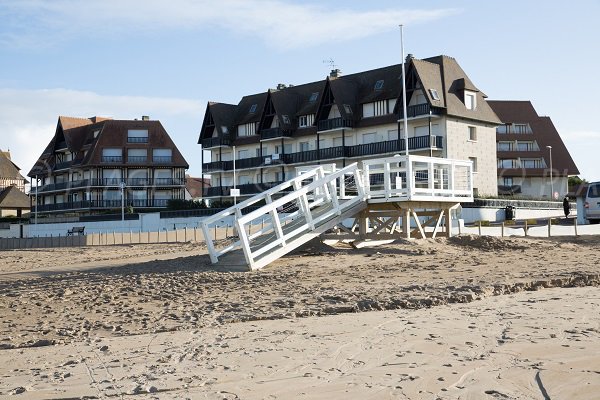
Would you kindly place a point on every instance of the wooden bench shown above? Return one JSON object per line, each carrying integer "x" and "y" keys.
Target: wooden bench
{"x": 76, "y": 230}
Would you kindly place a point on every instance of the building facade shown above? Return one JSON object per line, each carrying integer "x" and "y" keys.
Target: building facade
{"x": 91, "y": 162}
{"x": 346, "y": 119}
{"x": 532, "y": 158}
{"x": 13, "y": 200}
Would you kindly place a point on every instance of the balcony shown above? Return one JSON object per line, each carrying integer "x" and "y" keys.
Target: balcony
{"x": 245, "y": 189}
{"x": 334, "y": 123}
{"x": 112, "y": 159}
{"x": 134, "y": 139}
{"x": 109, "y": 182}
{"x": 63, "y": 165}
{"x": 217, "y": 166}
{"x": 420, "y": 110}
{"x": 414, "y": 143}
{"x": 100, "y": 204}
{"x": 274, "y": 133}
{"x": 162, "y": 159}
{"x": 216, "y": 142}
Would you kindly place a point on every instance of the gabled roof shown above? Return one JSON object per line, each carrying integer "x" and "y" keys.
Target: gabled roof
{"x": 250, "y": 108}
{"x": 543, "y": 132}
{"x": 430, "y": 77}
{"x": 13, "y": 198}
{"x": 82, "y": 139}
{"x": 9, "y": 169}
{"x": 455, "y": 81}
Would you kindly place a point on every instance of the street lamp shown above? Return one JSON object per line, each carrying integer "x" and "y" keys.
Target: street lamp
{"x": 551, "y": 180}
{"x": 122, "y": 185}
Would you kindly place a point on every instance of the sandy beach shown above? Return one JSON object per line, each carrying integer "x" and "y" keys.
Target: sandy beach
{"x": 461, "y": 318}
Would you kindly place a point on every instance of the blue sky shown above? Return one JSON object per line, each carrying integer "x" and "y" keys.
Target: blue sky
{"x": 166, "y": 59}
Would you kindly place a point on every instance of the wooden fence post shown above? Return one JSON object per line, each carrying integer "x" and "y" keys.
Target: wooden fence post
{"x": 549, "y": 225}
{"x": 479, "y": 228}
{"x": 502, "y": 232}
{"x": 525, "y": 228}
{"x": 575, "y": 225}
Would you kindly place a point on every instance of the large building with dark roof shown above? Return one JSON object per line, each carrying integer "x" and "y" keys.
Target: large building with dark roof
{"x": 346, "y": 119}
{"x": 525, "y": 143}
{"x": 89, "y": 160}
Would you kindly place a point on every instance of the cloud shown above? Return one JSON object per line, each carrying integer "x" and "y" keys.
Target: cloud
{"x": 577, "y": 136}
{"x": 28, "y": 118}
{"x": 280, "y": 24}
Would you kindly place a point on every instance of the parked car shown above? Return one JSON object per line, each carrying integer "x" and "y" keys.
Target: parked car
{"x": 592, "y": 203}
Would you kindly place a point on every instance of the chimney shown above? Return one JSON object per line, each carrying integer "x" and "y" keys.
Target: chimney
{"x": 335, "y": 73}
{"x": 409, "y": 57}
{"x": 281, "y": 86}
{"x": 145, "y": 118}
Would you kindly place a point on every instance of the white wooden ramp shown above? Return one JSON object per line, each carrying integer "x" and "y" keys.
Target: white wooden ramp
{"x": 287, "y": 216}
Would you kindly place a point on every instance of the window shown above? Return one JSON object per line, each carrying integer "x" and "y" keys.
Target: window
{"x": 224, "y": 129}
{"x": 137, "y": 136}
{"x": 594, "y": 191}
{"x": 470, "y": 101}
{"x": 112, "y": 155}
{"x": 392, "y": 134}
{"x": 521, "y": 128}
{"x": 507, "y": 163}
{"x": 247, "y": 129}
{"x": 348, "y": 109}
{"x": 473, "y": 133}
{"x": 162, "y": 155}
{"x": 306, "y": 120}
{"x": 243, "y": 154}
{"x": 474, "y": 161}
{"x": 314, "y": 97}
{"x": 532, "y": 163}
{"x": 253, "y": 108}
{"x": 287, "y": 149}
{"x": 508, "y": 181}
{"x": 421, "y": 99}
{"x": 504, "y": 146}
{"x": 434, "y": 94}
{"x": 376, "y": 109}
{"x": 96, "y": 132}
{"x": 303, "y": 146}
{"x": 368, "y": 138}
{"x": 137, "y": 155}
{"x": 379, "y": 85}
{"x": 337, "y": 142}
{"x": 244, "y": 179}
{"x": 286, "y": 119}
{"x": 525, "y": 146}
{"x": 503, "y": 129}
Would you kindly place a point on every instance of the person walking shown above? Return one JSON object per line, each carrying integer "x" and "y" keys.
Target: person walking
{"x": 566, "y": 206}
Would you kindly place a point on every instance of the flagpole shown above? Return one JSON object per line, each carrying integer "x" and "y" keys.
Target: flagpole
{"x": 404, "y": 92}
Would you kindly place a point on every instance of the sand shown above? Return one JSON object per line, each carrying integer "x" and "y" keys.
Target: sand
{"x": 157, "y": 321}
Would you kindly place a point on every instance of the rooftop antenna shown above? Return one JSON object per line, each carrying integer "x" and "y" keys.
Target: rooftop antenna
{"x": 330, "y": 62}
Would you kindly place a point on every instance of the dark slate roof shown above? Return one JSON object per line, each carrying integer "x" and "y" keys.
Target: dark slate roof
{"x": 9, "y": 169}
{"x": 455, "y": 81}
{"x": 79, "y": 137}
{"x": 13, "y": 198}
{"x": 441, "y": 73}
{"x": 543, "y": 132}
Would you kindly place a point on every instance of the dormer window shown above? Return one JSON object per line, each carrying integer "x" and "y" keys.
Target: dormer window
{"x": 434, "y": 94}
{"x": 247, "y": 129}
{"x": 306, "y": 120}
{"x": 470, "y": 100}
{"x": 253, "y": 108}
{"x": 379, "y": 85}
{"x": 224, "y": 129}
{"x": 348, "y": 109}
{"x": 313, "y": 97}
{"x": 286, "y": 119}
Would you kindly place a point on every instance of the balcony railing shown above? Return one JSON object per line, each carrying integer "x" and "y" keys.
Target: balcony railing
{"x": 274, "y": 133}
{"x": 101, "y": 204}
{"x": 112, "y": 159}
{"x": 137, "y": 159}
{"x": 134, "y": 139}
{"x": 109, "y": 182}
{"x": 216, "y": 142}
{"x": 63, "y": 165}
{"x": 162, "y": 159}
{"x": 328, "y": 153}
{"x": 420, "y": 110}
{"x": 334, "y": 123}
{"x": 245, "y": 189}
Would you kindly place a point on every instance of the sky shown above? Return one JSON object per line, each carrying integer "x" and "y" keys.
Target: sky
{"x": 167, "y": 59}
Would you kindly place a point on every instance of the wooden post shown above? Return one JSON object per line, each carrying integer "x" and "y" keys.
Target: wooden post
{"x": 226, "y": 230}
{"x": 195, "y": 234}
{"x": 502, "y": 231}
{"x": 575, "y": 225}
{"x": 525, "y": 228}
{"x": 549, "y": 225}
{"x": 479, "y": 228}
